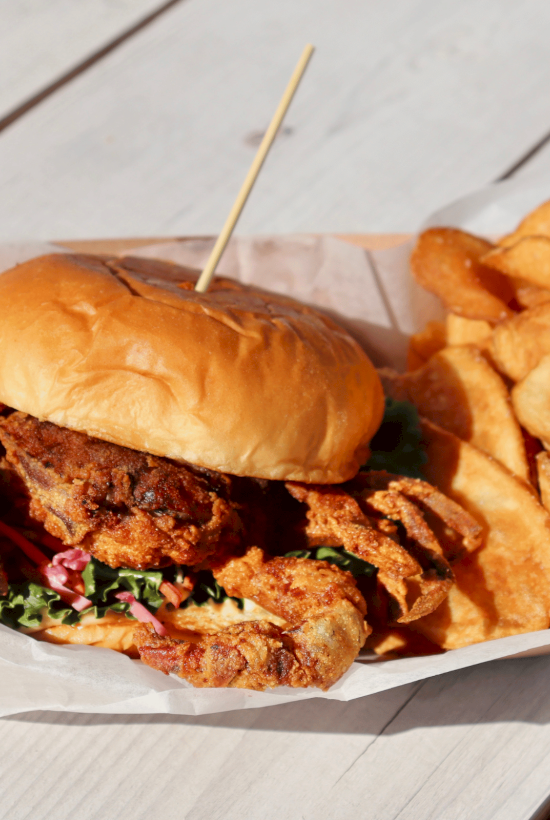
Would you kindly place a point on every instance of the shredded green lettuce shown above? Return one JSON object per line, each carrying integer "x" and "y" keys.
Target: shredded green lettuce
{"x": 340, "y": 557}
{"x": 25, "y": 603}
{"x": 207, "y": 589}
{"x": 103, "y": 582}
{"x": 397, "y": 446}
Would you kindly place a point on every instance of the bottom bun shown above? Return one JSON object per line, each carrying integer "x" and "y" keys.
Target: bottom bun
{"x": 114, "y": 631}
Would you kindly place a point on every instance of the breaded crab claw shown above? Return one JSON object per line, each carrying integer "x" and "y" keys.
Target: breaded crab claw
{"x": 324, "y": 628}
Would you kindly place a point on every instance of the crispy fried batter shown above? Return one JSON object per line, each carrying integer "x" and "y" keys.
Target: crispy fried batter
{"x": 451, "y": 513}
{"x": 125, "y": 507}
{"x": 326, "y": 628}
{"x": 417, "y": 576}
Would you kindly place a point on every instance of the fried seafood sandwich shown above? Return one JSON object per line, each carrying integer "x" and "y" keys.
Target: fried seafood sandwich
{"x": 180, "y": 478}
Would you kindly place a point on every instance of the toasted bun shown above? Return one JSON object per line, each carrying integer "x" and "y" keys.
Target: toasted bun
{"x": 237, "y": 380}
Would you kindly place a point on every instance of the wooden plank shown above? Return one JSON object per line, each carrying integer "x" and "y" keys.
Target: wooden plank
{"x": 162, "y": 766}
{"x": 454, "y": 745}
{"x": 399, "y": 114}
{"x": 475, "y": 738}
{"x": 478, "y": 739}
{"x": 42, "y": 41}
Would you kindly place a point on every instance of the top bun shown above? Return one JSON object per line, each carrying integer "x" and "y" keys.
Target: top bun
{"x": 237, "y": 379}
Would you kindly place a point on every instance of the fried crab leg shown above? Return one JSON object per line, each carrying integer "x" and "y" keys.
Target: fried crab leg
{"x": 418, "y": 491}
{"x": 415, "y": 573}
{"x": 320, "y": 603}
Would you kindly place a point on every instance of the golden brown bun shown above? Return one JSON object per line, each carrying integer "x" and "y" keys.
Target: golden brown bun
{"x": 238, "y": 380}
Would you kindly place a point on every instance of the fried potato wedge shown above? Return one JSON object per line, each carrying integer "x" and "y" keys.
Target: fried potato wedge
{"x": 531, "y": 400}
{"x": 458, "y": 390}
{"x": 543, "y": 475}
{"x": 463, "y": 331}
{"x": 537, "y": 223}
{"x": 425, "y": 343}
{"x": 446, "y": 262}
{"x": 518, "y": 344}
{"x": 528, "y": 259}
{"x": 502, "y": 588}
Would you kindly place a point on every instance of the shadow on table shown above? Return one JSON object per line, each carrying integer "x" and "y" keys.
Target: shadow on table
{"x": 500, "y": 691}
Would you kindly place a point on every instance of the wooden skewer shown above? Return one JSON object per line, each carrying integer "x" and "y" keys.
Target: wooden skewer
{"x": 267, "y": 141}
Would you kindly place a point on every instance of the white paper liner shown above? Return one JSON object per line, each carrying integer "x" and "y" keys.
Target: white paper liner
{"x": 373, "y": 296}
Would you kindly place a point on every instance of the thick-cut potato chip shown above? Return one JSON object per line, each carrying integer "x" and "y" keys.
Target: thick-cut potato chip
{"x": 463, "y": 331}
{"x": 502, "y": 588}
{"x": 529, "y": 259}
{"x": 446, "y": 262}
{"x": 425, "y": 343}
{"x": 537, "y": 223}
{"x": 518, "y": 344}
{"x": 531, "y": 400}
{"x": 458, "y": 390}
{"x": 543, "y": 475}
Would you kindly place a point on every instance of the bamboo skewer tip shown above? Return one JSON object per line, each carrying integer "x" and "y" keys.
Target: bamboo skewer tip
{"x": 267, "y": 141}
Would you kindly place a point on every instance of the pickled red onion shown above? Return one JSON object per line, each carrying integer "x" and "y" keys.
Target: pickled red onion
{"x": 57, "y": 577}
{"x": 142, "y": 613}
{"x": 72, "y": 559}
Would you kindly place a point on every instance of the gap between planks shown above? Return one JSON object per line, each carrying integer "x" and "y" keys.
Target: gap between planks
{"x": 83, "y": 66}
{"x": 525, "y": 158}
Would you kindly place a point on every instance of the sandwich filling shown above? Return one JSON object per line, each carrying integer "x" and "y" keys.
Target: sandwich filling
{"x": 98, "y": 531}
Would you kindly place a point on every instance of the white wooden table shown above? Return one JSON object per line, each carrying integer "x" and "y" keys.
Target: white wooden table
{"x": 137, "y": 117}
